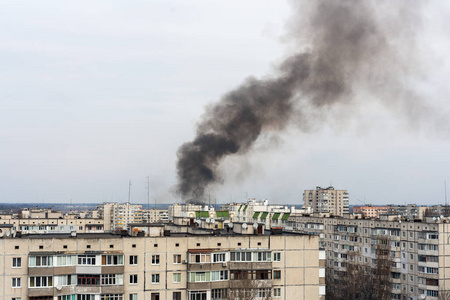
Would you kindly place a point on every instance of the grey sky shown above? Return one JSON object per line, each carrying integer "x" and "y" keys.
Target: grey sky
{"x": 93, "y": 94}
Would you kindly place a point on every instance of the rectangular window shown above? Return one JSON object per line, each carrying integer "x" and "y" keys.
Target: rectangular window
{"x": 219, "y": 294}
{"x": 112, "y": 260}
{"x": 133, "y": 297}
{"x": 276, "y": 274}
{"x": 40, "y": 281}
{"x": 219, "y": 275}
{"x": 65, "y": 280}
{"x": 155, "y": 278}
{"x": 40, "y": 261}
{"x": 109, "y": 297}
{"x": 88, "y": 279}
{"x": 17, "y": 262}
{"x": 66, "y": 260}
{"x": 155, "y": 296}
{"x": 277, "y": 292}
{"x": 87, "y": 297}
{"x": 219, "y": 257}
{"x": 177, "y": 259}
{"x": 155, "y": 259}
{"x": 277, "y": 256}
{"x": 176, "y": 296}
{"x": 86, "y": 260}
{"x": 133, "y": 259}
{"x": 16, "y": 282}
{"x": 133, "y": 279}
{"x": 176, "y": 277}
{"x": 112, "y": 279}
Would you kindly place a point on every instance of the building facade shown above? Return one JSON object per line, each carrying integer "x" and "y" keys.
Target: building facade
{"x": 370, "y": 211}
{"x": 156, "y": 266}
{"x": 119, "y": 215}
{"x": 327, "y": 200}
{"x": 419, "y": 251}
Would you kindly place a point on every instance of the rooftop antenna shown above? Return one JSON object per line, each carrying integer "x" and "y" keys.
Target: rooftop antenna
{"x": 129, "y": 191}
{"x": 148, "y": 192}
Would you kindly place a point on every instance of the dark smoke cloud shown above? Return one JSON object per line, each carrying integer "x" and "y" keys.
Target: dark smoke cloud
{"x": 343, "y": 43}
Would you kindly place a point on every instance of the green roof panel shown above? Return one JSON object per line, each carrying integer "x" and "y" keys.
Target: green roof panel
{"x": 202, "y": 214}
{"x": 264, "y": 215}
{"x": 285, "y": 216}
{"x": 275, "y": 216}
{"x": 256, "y": 214}
{"x": 223, "y": 214}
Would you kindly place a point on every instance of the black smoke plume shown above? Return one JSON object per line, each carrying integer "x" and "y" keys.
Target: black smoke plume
{"x": 341, "y": 44}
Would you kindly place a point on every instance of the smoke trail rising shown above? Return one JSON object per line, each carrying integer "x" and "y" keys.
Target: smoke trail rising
{"x": 343, "y": 42}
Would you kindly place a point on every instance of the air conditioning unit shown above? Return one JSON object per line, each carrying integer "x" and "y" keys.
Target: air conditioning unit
{"x": 224, "y": 264}
{"x": 184, "y": 261}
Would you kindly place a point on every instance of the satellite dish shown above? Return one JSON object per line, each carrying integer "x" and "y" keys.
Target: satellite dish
{"x": 213, "y": 221}
{"x": 244, "y": 225}
{"x": 208, "y": 220}
{"x": 442, "y": 216}
{"x": 8, "y": 233}
{"x": 255, "y": 225}
{"x": 434, "y": 218}
{"x": 230, "y": 225}
{"x": 59, "y": 287}
{"x": 198, "y": 222}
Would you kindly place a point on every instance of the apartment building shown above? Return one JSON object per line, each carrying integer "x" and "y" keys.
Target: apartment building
{"x": 419, "y": 251}
{"x": 370, "y": 211}
{"x": 119, "y": 215}
{"x": 155, "y": 215}
{"x": 327, "y": 200}
{"x": 156, "y": 265}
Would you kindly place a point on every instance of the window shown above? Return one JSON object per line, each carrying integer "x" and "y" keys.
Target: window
{"x": 177, "y": 258}
{"x": 41, "y": 247}
{"x": 277, "y": 292}
{"x": 277, "y": 256}
{"x": 133, "y": 259}
{"x": 155, "y": 296}
{"x": 65, "y": 246}
{"x": 88, "y": 279}
{"x": 199, "y": 276}
{"x": 219, "y": 275}
{"x": 177, "y": 245}
{"x": 198, "y": 244}
{"x": 176, "y": 296}
{"x": 155, "y": 259}
{"x": 264, "y": 256}
{"x": 17, "y": 262}
{"x": 133, "y": 279}
{"x": 86, "y": 259}
{"x": 155, "y": 278}
{"x": 133, "y": 297}
{"x": 16, "y": 282}
{"x": 110, "y": 297}
{"x": 133, "y": 246}
{"x": 176, "y": 277}
{"x": 112, "y": 260}
{"x": 110, "y": 246}
{"x": 65, "y": 280}
{"x": 66, "y": 260}
{"x": 40, "y": 281}
{"x": 40, "y": 261}
{"x": 241, "y": 256}
{"x": 84, "y": 297}
{"x": 198, "y": 295}
{"x": 219, "y": 257}
{"x": 112, "y": 279}
{"x": 156, "y": 246}
{"x": 16, "y": 247}
{"x": 219, "y": 294}
{"x": 276, "y": 274}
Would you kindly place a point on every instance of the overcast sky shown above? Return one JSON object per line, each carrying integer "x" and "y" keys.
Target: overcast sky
{"x": 96, "y": 93}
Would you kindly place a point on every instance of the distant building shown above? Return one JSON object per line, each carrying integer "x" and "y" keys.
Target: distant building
{"x": 154, "y": 215}
{"x": 327, "y": 200}
{"x": 119, "y": 215}
{"x": 370, "y": 211}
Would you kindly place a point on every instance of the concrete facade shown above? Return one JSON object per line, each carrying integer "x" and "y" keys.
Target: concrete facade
{"x": 163, "y": 266}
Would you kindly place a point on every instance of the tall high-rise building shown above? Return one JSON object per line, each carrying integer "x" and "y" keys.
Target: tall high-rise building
{"x": 327, "y": 200}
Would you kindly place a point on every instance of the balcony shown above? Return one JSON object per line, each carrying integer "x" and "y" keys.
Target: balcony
{"x": 40, "y": 292}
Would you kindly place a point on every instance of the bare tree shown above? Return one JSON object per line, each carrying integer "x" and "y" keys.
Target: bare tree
{"x": 444, "y": 295}
{"x": 354, "y": 280}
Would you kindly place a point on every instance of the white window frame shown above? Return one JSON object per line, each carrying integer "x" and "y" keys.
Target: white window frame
{"x": 156, "y": 259}
{"x": 176, "y": 277}
{"x": 133, "y": 260}
{"x": 156, "y": 278}
{"x": 17, "y": 262}
{"x": 16, "y": 282}
{"x": 133, "y": 279}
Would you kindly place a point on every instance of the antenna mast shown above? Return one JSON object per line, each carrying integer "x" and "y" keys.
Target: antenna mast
{"x": 129, "y": 191}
